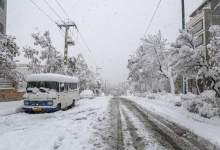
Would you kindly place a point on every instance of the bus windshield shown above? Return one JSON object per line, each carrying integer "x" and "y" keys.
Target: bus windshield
{"x": 47, "y": 85}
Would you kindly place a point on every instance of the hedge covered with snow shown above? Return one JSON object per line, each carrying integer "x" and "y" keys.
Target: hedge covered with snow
{"x": 205, "y": 104}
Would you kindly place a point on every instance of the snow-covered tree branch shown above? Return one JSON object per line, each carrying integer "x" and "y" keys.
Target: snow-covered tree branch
{"x": 201, "y": 61}
{"x": 152, "y": 61}
{"x": 49, "y": 54}
{"x": 8, "y": 51}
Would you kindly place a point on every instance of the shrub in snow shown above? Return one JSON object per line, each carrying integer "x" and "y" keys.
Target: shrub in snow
{"x": 208, "y": 96}
{"x": 208, "y": 111}
{"x": 203, "y": 104}
{"x": 138, "y": 94}
{"x": 151, "y": 97}
{"x": 193, "y": 105}
{"x": 178, "y": 104}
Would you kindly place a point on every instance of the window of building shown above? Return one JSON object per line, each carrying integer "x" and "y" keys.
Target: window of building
{"x": 2, "y": 4}
{"x": 199, "y": 40}
{"x": 197, "y": 27}
{"x": 1, "y": 28}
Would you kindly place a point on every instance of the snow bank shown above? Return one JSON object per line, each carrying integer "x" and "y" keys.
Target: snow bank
{"x": 164, "y": 106}
{"x": 8, "y": 108}
{"x": 204, "y": 104}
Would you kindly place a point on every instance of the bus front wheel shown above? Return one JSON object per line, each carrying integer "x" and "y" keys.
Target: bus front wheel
{"x": 74, "y": 103}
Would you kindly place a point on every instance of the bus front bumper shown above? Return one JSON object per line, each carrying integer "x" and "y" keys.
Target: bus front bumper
{"x": 39, "y": 109}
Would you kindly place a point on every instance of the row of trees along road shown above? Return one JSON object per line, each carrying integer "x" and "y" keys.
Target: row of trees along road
{"x": 156, "y": 61}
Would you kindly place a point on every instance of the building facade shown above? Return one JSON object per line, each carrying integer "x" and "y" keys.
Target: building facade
{"x": 207, "y": 14}
{"x": 3, "y": 13}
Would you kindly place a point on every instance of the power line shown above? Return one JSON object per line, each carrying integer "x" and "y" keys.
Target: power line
{"x": 52, "y": 20}
{"x": 53, "y": 10}
{"x": 39, "y": 8}
{"x": 64, "y": 11}
{"x": 152, "y": 18}
{"x": 84, "y": 41}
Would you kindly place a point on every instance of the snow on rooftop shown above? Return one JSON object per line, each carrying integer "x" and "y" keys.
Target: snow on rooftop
{"x": 51, "y": 77}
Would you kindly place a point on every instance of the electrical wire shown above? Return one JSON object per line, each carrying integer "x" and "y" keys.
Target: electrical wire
{"x": 152, "y": 18}
{"x": 84, "y": 41}
{"x": 52, "y": 20}
{"x": 53, "y": 10}
{"x": 80, "y": 34}
{"x": 41, "y": 10}
{"x": 64, "y": 11}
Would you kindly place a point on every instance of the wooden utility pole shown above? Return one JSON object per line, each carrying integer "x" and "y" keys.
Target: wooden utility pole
{"x": 67, "y": 26}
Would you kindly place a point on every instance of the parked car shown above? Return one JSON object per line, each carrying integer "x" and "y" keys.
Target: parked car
{"x": 87, "y": 94}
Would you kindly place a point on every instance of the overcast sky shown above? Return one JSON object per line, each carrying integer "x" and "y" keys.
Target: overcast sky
{"x": 111, "y": 28}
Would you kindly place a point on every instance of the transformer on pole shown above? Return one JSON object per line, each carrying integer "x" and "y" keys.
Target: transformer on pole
{"x": 68, "y": 41}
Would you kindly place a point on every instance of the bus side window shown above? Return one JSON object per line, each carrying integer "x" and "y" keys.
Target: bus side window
{"x": 74, "y": 86}
{"x": 70, "y": 86}
{"x": 66, "y": 87}
{"x": 61, "y": 87}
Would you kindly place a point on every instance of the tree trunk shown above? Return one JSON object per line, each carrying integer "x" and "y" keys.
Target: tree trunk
{"x": 197, "y": 85}
{"x": 171, "y": 81}
{"x": 172, "y": 85}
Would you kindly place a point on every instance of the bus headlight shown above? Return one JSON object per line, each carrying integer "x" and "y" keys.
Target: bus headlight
{"x": 50, "y": 103}
{"x": 26, "y": 103}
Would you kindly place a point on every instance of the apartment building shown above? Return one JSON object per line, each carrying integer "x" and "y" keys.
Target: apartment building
{"x": 3, "y": 12}
{"x": 207, "y": 14}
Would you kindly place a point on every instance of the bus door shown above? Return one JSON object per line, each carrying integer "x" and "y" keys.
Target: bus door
{"x": 63, "y": 94}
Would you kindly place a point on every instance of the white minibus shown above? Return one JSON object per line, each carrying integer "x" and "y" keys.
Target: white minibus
{"x": 48, "y": 92}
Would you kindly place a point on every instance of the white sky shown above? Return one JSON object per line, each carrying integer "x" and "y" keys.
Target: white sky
{"x": 111, "y": 28}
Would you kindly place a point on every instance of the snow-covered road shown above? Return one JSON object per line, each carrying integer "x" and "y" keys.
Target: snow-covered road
{"x": 76, "y": 128}
{"x": 103, "y": 123}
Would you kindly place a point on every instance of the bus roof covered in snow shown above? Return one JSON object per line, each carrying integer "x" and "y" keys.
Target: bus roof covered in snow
{"x": 51, "y": 77}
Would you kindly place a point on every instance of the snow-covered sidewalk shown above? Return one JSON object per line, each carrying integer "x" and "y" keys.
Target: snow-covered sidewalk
{"x": 12, "y": 107}
{"x": 71, "y": 129}
{"x": 163, "y": 105}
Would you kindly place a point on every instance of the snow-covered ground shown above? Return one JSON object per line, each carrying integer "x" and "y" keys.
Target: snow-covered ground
{"x": 164, "y": 106}
{"x": 8, "y": 108}
{"x": 71, "y": 129}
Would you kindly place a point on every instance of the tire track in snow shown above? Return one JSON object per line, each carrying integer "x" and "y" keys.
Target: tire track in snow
{"x": 120, "y": 141}
{"x": 155, "y": 135}
{"x": 126, "y": 133}
{"x": 137, "y": 140}
{"x": 58, "y": 143}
